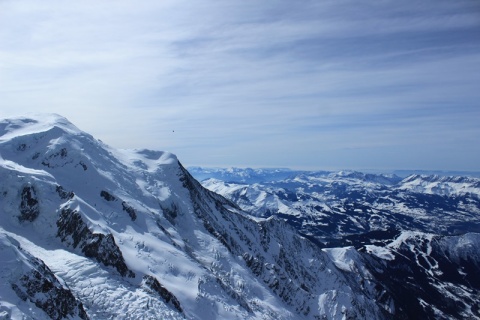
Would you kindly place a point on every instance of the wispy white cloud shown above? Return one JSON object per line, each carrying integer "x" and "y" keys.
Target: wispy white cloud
{"x": 249, "y": 83}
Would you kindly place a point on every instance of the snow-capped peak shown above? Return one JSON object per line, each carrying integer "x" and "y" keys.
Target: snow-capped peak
{"x": 99, "y": 233}
{"x": 132, "y": 233}
{"x": 35, "y": 123}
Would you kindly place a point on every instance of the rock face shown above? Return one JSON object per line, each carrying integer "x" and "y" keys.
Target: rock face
{"x": 44, "y": 290}
{"x": 73, "y": 231}
{"x": 107, "y": 196}
{"x": 63, "y": 194}
{"x": 153, "y": 285}
{"x": 29, "y": 209}
{"x": 125, "y": 206}
{"x": 136, "y": 236}
{"x": 129, "y": 209}
{"x": 277, "y": 256}
{"x": 32, "y": 281}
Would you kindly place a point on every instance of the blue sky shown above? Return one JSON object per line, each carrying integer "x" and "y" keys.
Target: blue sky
{"x": 310, "y": 84}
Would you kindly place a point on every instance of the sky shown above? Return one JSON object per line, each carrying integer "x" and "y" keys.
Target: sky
{"x": 312, "y": 85}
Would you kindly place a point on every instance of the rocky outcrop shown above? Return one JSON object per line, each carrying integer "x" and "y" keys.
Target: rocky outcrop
{"x": 44, "y": 290}
{"x": 73, "y": 231}
{"x": 107, "y": 196}
{"x": 125, "y": 206}
{"x": 129, "y": 209}
{"x": 170, "y": 213}
{"x": 152, "y": 284}
{"x": 63, "y": 194}
{"x": 57, "y": 159}
{"x": 29, "y": 209}
{"x": 37, "y": 284}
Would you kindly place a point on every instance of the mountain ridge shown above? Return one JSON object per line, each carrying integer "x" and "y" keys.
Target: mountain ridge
{"x": 131, "y": 234}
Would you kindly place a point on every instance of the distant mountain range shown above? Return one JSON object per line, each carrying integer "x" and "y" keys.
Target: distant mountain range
{"x": 338, "y": 208}
{"x": 91, "y": 232}
{"x": 405, "y": 173}
{"x": 251, "y": 175}
{"x": 405, "y": 221}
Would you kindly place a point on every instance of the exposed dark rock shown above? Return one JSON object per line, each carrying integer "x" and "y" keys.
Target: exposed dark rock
{"x": 84, "y": 166}
{"x": 170, "y": 213}
{"x": 107, "y": 196}
{"x": 41, "y": 287}
{"x": 62, "y": 154}
{"x": 153, "y": 284}
{"x": 62, "y": 193}
{"x": 125, "y": 206}
{"x": 29, "y": 209}
{"x": 73, "y": 231}
{"x": 129, "y": 209}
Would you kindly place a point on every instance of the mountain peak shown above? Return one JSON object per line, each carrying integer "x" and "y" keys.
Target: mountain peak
{"x": 88, "y": 231}
{"x": 34, "y": 123}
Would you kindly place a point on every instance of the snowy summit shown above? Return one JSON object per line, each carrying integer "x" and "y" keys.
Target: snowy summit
{"x": 91, "y": 232}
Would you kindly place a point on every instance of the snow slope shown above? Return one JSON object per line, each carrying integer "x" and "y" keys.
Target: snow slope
{"x": 130, "y": 234}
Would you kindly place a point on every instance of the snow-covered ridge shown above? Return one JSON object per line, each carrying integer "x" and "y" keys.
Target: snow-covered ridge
{"x": 24, "y": 126}
{"x": 133, "y": 235}
{"x": 441, "y": 185}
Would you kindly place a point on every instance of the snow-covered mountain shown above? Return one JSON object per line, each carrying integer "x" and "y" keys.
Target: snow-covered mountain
{"x": 429, "y": 276}
{"x": 441, "y": 185}
{"x": 414, "y": 236}
{"x": 244, "y": 175}
{"x": 130, "y": 234}
{"x": 91, "y": 232}
{"x": 340, "y": 207}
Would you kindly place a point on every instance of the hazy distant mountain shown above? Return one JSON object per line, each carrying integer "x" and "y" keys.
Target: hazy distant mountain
{"x": 250, "y": 175}
{"x": 246, "y": 175}
{"x": 91, "y": 232}
{"x": 335, "y": 208}
{"x": 405, "y": 173}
